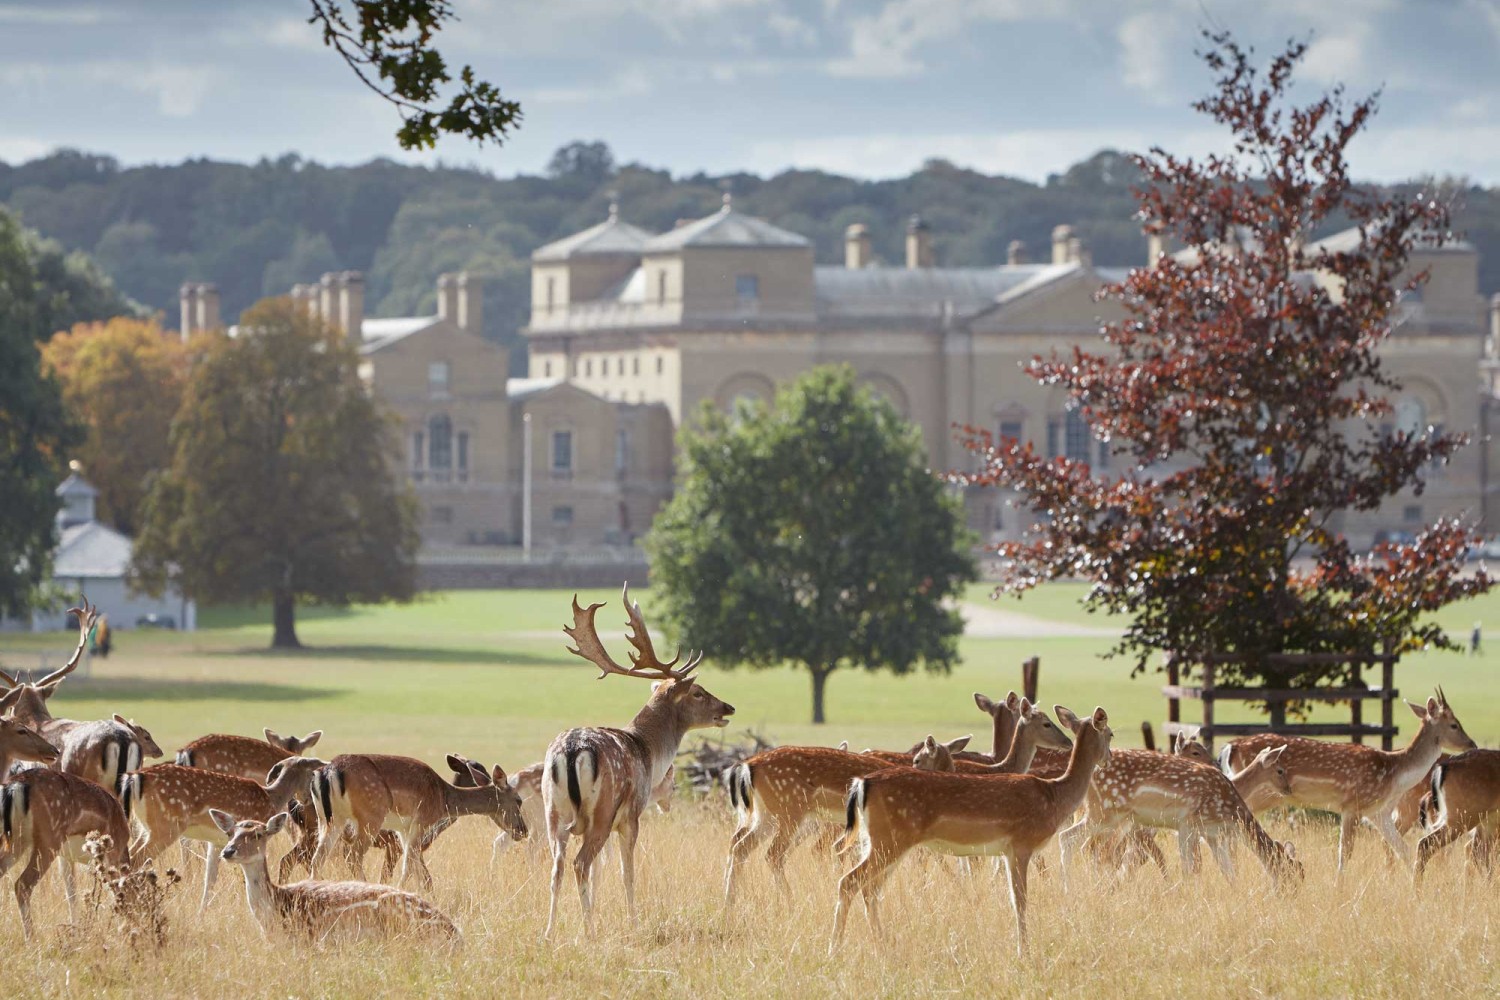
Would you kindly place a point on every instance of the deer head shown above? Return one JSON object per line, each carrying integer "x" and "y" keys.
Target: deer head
{"x": 1269, "y": 761}
{"x": 507, "y": 801}
{"x": 674, "y": 686}
{"x": 248, "y": 837}
{"x": 24, "y": 743}
{"x": 1092, "y": 733}
{"x": 1439, "y": 716}
{"x": 149, "y": 747}
{"x": 292, "y": 744}
{"x": 935, "y": 756}
{"x": 1047, "y": 734}
{"x": 28, "y": 702}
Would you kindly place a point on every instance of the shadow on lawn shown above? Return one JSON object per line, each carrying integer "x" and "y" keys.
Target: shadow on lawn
{"x": 138, "y": 689}
{"x": 407, "y": 654}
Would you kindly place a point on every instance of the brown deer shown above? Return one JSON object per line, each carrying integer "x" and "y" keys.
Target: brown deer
{"x": 598, "y": 781}
{"x": 357, "y": 796}
{"x": 48, "y": 814}
{"x": 528, "y": 784}
{"x": 320, "y": 910}
{"x": 1359, "y": 782}
{"x": 99, "y": 751}
{"x": 1149, "y": 790}
{"x": 1003, "y": 724}
{"x": 907, "y": 758}
{"x": 169, "y": 802}
{"x": 22, "y": 743}
{"x": 1465, "y": 796}
{"x": 1011, "y": 815}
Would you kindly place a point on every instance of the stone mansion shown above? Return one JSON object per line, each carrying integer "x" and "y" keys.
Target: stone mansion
{"x": 631, "y": 331}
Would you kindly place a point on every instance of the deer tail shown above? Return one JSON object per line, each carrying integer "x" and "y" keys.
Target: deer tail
{"x": 1438, "y": 814}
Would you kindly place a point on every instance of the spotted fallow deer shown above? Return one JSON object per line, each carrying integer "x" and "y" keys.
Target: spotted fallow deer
{"x": 1141, "y": 788}
{"x": 356, "y": 796}
{"x": 597, "y": 781}
{"x": 1010, "y": 815}
{"x": 99, "y": 751}
{"x": 169, "y": 802}
{"x": 320, "y": 910}
{"x": 1002, "y": 715}
{"x": 907, "y": 758}
{"x": 1359, "y": 782}
{"x": 1465, "y": 796}
{"x": 47, "y": 815}
{"x": 528, "y": 785}
{"x": 22, "y": 743}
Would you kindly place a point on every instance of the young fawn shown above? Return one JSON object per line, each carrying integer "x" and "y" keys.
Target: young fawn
{"x": 321, "y": 909}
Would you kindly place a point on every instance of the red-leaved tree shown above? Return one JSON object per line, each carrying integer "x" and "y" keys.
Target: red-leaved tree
{"x": 1245, "y": 401}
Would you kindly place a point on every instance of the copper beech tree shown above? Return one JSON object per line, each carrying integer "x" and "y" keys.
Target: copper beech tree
{"x": 1244, "y": 397}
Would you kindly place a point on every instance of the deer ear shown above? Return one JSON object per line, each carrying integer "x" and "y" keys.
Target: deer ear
{"x": 275, "y": 772}
{"x": 275, "y": 823}
{"x": 498, "y": 776}
{"x": 1274, "y": 754}
{"x": 929, "y": 742}
{"x": 310, "y": 739}
{"x": 458, "y": 764}
{"x": 843, "y": 744}
{"x": 478, "y": 773}
{"x": 273, "y": 737}
{"x": 1290, "y": 849}
{"x": 986, "y": 705}
{"x": 1101, "y": 718}
{"x": 222, "y": 820}
{"x": 1067, "y": 718}
{"x": 956, "y": 745}
{"x": 1012, "y": 700}
{"x": 1432, "y": 706}
{"x": 1417, "y": 710}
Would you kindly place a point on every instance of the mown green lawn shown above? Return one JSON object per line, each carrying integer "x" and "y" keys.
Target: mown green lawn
{"x": 485, "y": 673}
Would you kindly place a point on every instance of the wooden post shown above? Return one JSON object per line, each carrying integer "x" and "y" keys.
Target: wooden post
{"x": 1356, "y": 705}
{"x": 1208, "y": 706}
{"x": 1148, "y": 737}
{"x": 1174, "y": 704}
{"x": 1030, "y": 669}
{"x": 1388, "y": 700}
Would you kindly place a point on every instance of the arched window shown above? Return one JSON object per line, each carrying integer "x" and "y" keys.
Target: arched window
{"x": 1411, "y": 416}
{"x": 440, "y": 444}
{"x": 1076, "y": 436}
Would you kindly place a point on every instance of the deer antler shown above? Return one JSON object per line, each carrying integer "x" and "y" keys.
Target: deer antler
{"x": 87, "y": 616}
{"x": 645, "y": 654}
{"x": 8, "y": 680}
{"x": 644, "y": 662}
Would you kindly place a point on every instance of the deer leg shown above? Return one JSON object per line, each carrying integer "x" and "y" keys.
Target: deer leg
{"x": 746, "y": 839}
{"x": 1017, "y": 865}
{"x": 1348, "y": 824}
{"x": 1144, "y": 842}
{"x": 559, "y": 840}
{"x": 583, "y": 871}
{"x": 1218, "y": 845}
{"x": 1067, "y": 842}
{"x": 1187, "y": 852}
{"x": 854, "y": 881}
{"x": 210, "y": 875}
{"x": 786, "y": 837}
{"x": 26, "y": 882}
{"x": 300, "y": 854}
{"x": 1482, "y": 849}
{"x": 500, "y": 846}
{"x": 69, "y": 888}
{"x": 1387, "y": 827}
{"x": 626, "y": 836}
{"x": 1434, "y": 842}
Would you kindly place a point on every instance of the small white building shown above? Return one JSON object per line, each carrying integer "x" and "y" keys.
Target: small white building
{"x": 92, "y": 561}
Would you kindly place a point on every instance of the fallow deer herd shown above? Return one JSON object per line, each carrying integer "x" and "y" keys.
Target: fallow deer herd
{"x": 68, "y": 782}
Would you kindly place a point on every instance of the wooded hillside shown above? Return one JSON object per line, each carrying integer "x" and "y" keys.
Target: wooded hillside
{"x": 255, "y": 230}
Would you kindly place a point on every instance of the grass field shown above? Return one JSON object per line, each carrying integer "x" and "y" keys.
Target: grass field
{"x": 485, "y": 674}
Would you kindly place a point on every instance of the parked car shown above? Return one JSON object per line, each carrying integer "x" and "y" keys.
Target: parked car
{"x": 154, "y": 620}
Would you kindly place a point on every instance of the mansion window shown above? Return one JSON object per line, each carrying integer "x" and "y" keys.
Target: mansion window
{"x": 1070, "y": 437}
{"x": 747, "y": 288}
{"x": 1011, "y": 429}
{"x": 622, "y": 450}
{"x": 562, "y": 515}
{"x": 418, "y": 453}
{"x": 440, "y": 447}
{"x": 588, "y": 367}
{"x": 463, "y": 456}
{"x": 635, "y": 365}
{"x": 562, "y": 454}
{"x": 661, "y": 364}
{"x": 661, "y": 286}
{"x": 437, "y": 378}
{"x": 551, "y": 292}
{"x": 546, "y": 369}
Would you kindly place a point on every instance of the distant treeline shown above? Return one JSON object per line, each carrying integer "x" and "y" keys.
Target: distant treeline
{"x": 256, "y": 230}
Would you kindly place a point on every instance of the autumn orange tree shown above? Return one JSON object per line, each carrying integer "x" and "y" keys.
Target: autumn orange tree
{"x": 122, "y": 380}
{"x": 1245, "y": 403}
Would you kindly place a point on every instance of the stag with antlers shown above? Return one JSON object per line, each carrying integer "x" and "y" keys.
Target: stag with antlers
{"x": 597, "y": 781}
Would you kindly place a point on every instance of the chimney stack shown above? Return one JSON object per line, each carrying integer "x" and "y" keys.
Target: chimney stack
{"x": 1494, "y": 350}
{"x": 1015, "y": 253}
{"x": 468, "y": 289}
{"x": 918, "y": 243}
{"x": 187, "y": 299}
{"x": 207, "y": 308}
{"x": 328, "y": 298}
{"x": 1062, "y": 238}
{"x": 352, "y": 305}
{"x": 447, "y": 298}
{"x": 1079, "y": 253}
{"x": 857, "y": 246}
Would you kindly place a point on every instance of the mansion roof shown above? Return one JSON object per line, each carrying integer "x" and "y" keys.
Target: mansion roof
{"x": 725, "y": 228}
{"x": 612, "y": 237}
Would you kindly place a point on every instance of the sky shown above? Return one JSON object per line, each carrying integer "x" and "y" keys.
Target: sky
{"x": 869, "y": 88}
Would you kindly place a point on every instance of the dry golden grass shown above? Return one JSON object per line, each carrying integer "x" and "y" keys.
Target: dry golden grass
{"x": 1136, "y": 935}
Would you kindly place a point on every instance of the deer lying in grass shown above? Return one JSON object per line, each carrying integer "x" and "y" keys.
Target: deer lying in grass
{"x": 1142, "y": 788}
{"x": 1465, "y": 796}
{"x": 169, "y": 802}
{"x": 357, "y": 796}
{"x": 48, "y": 815}
{"x": 597, "y": 781}
{"x": 321, "y": 910}
{"x": 1360, "y": 782}
{"x": 1010, "y": 815}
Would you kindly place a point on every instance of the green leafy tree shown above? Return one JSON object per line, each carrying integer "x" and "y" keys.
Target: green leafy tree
{"x": 811, "y": 531}
{"x": 279, "y": 488}
{"x": 35, "y": 432}
{"x": 390, "y": 46}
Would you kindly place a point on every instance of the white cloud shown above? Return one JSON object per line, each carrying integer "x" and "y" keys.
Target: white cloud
{"x": 59, "y": 15}
{"x": 18, "y": 148}
{"x": 1149, "y": 42}
{"x": 887, "y": 44}
{"x": 792, "y": 30}
{"x": 1339, "y": 58}
{"x": 633, "y": 82}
